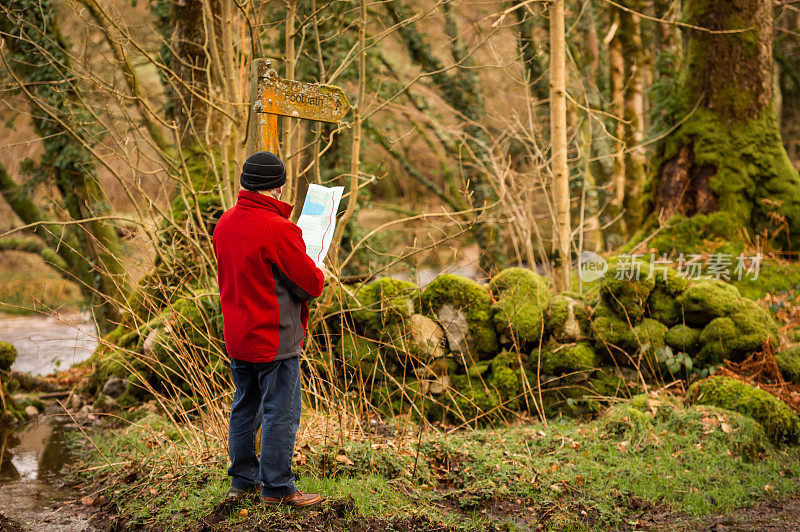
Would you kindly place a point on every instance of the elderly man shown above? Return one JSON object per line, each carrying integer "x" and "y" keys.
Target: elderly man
{"x": 265, "y": 279}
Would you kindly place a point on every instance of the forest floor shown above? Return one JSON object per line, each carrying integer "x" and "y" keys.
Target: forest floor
{"x": 663, "y": 467}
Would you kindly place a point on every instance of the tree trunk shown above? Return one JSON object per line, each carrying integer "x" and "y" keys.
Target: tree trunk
{"x": 558, "y": 140}
{"x": 726, "y": 157}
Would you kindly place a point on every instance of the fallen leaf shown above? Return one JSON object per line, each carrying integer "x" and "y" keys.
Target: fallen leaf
{"x": 623, "y": 446}
{"x": 768, "y": 488}
{"x": 153, "y": 491}
{"x": 725, "y": 428}
{"x": 243, "y": 512}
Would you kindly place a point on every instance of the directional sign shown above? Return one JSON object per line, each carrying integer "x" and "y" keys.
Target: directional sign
{"x": 307, "y": 101}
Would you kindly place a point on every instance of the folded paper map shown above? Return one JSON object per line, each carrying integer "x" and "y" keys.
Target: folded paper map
{"x": 318, "y": 219}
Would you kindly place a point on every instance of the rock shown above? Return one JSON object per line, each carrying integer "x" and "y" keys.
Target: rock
{"x": 626, "y": 294}
{"x": 788, "y": 360}
{"x": 357, "y": 352}
{"x": 737, "y": 336}
{"x": 683, "y": 338}
{"x": 426, "y": 337}
{"x": 114, "y": 387}
{"x": 31, "y": 411}
{"x": 463, "y": 308}
{"x": 386, "y": 302}
{"x": 148, "y": 347}
{"x": 75, "y": 402}
{"x": 8, "y": 354}
{"x": 779, "y": 422}
{"x": 522, "y": 297}
{"x": 661, "y": 303}
{"x": 707, "y": 299}
{"x": 559, "y": 359}
{"x": 454, "y": 323}
{"x": 87, "y": 409}
{"x": 568, "y": 318}
{"x": 650, "y": 334}
{"x": 612, "y": 336}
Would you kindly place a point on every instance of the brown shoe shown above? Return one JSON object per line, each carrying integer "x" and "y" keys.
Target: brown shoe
{"x": 298, "y": 499}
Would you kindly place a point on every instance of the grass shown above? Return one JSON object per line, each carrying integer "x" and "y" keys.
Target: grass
{"x": 657, "y": 453}
{"x": 28, "y": 285}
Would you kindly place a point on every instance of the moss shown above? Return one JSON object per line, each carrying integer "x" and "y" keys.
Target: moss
{"x": 788, "y": 361}
{"x": 8, "y": 354}
{"x": 683, "y": 338}
{"x": 468, "y": 296}
{"x": 718, "y": 230}
{"x": 341, "y": 301}
{"x": 707, "y": 299}
{"x": 650, "y": 334}
{"x": 386, "y": 302}
{"x": 357, "y": 352}
{"x": 661, "y": 304}
{"x": 568, "y": 318}
{"x": 773, "y": 277}
{"x": 780, "y": 423}
{"x": 506, "y": 378}
{"x": 475, "y": 400}
{"x": 565, "y": 358}
{"x": 609, "y": 384}
{"x": 623, "y": 292}
{"x": 739, "y": 335}
{"x": 611, "y": 333}
{"x": 522, "y": 298}
{"x": 715, "y": 339}
{"x": 751, "y": 165}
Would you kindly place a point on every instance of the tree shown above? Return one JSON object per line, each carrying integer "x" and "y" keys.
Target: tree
{"x": 725, "y": 159}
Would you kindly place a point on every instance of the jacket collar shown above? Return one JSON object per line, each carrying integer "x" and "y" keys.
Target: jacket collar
{"x": 260, "y": 201}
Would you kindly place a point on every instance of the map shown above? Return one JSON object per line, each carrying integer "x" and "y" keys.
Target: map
{"x": 318, "y": 219}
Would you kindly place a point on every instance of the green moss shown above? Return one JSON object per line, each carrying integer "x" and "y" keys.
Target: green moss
{"x": 611, "y": 334}
{"x": 788, "y": 360}
{"x": 696, "y": 234}
{"x": 386, "y": 302}
{"x": 773, "y": 277}
{"x": 8, "y": 354}
{"x": 475, "y": 400}
{"x": 568, "y": 318}
{"x": 464, "y": 295}
{"x": 341, "y": 302}
{"x": 565, "y": 358}
{"x": 751, "y": 165}
{"x": 735, "y": 337}
{"x": 780, "y": 423}
{"x": 707, "y": 299}
{"x": 683, "y": 338}
{"x": 662, "y": 305}
{"x": 522, "y": 298}
{"x": 626, "y": 288}
{"x": 650, "y": 334}
{"x": 358, "y": 353}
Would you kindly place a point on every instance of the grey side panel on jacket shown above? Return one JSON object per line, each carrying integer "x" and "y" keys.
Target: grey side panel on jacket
{"x": 290, "y": 326}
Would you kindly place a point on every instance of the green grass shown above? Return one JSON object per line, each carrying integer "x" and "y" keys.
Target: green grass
{"x": 698, "y": 460}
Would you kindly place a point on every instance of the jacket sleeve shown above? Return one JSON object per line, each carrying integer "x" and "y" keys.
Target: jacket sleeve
{"x": 302, "y": 276}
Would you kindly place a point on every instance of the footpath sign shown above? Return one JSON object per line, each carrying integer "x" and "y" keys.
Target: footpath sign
{"x": 276, "y": 96}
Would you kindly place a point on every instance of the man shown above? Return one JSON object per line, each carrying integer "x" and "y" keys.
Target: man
{"x": 265, "y": 279}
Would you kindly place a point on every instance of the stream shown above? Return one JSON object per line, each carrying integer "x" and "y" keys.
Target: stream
{"x": 33, "y": 457}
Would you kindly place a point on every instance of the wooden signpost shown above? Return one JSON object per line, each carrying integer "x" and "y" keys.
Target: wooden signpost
{"x": 275, "y": 97}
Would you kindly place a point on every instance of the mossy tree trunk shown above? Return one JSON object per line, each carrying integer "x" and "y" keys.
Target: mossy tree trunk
{"x": 39, "y": 62}
{"x": 726, "y": 156}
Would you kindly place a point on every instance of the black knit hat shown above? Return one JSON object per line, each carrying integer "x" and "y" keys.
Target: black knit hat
{"x": 263, "y": 171}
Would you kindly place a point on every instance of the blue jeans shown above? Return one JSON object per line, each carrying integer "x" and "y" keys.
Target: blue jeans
{"x": 267, "y": 395}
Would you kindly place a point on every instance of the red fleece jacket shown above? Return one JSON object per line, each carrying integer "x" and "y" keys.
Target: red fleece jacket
{"x": 265, "y": 278}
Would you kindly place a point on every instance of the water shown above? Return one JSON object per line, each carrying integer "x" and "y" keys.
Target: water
{"x": 45, "y": 344}
{"x": 33, "y": 457}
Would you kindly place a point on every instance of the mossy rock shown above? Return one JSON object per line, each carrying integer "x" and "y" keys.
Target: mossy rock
{"x": 563, "y": 359}
{"x": 8, "y": 355}
{"x": 683, "y": 338}
{"x": 522, "y": 296}
{"x": 386, "y": 302}
{"x": 476, "y": 400}
{"x": 568, "y": 318}
{"x": 506, "y": 377}
{"x": 609, "y": 383}
{"x": 341, "y": 302}
{"x": 661, "y": 304}
{"x": 650, "y": 334}
{"x": 780, "y": 423}
{"x": 788, "y": 360}
{"x": 737, "y": 336}
{"x": 358, "y": 353}
{"x": 463, "y": 308}
{"x": 612, "y": 336}
{"x": 706, "y": 299}
{"x": 570, "y": 402}
{"x": 623, "y": 292}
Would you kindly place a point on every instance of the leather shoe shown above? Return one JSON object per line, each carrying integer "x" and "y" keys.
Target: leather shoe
{"x": 298, "y": 499}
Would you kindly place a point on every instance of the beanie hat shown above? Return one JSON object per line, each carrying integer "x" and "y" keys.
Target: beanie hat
{"x": 263, "y": 171}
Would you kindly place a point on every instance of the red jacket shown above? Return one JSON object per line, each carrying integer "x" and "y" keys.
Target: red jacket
{"x": 265, "y": 279}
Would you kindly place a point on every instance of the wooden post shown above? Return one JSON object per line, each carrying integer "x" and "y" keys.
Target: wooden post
{"x": 263, "y": 130}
